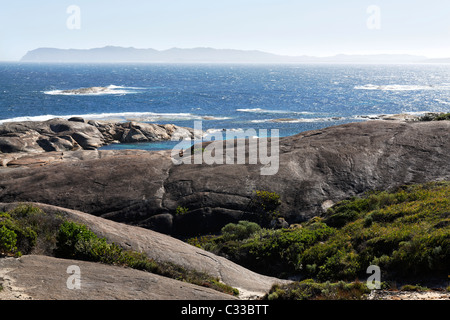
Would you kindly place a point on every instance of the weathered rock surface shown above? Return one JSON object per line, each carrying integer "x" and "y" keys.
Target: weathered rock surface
{"x": 45, "y": 278}
{"x": 161, "y": 248}
{"x": 77, "y": 133}
{"x": 316, "y": 169}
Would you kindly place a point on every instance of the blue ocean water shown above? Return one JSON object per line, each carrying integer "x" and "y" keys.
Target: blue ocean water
{"x": 291, "y": 98}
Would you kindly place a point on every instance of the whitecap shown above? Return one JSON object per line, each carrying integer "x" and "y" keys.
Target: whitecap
{"x": 259, "y": 110}
{"x": 119, "y": 116}
{"x": 402, "y": 87}
{"x": 95, "y": 91}
{"x": 300, "y": 120}
{"x": 442, "y": 101}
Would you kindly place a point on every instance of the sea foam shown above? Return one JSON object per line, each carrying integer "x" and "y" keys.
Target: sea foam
{"x": 402, "y": 87}
{"x": 259, "y": 110}
{"x": 120, "y": 116}
{"x": 95, "y": 91}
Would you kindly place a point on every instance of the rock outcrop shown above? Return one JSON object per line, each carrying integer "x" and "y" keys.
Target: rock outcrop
{"x": 77, "y": 133}
{"x": 35, "y": 277}
{"x": 316, "y": 169}
{"x": 157, "y": 246}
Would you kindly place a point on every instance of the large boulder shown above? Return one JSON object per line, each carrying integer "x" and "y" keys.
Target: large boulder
{"x": 157, "y": 246}
{"x": 35, "y": 277}
{"x": 52, "y": 135}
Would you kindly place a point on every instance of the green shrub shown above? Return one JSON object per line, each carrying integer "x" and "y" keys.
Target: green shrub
{"x": 35, "y": 230}
{"x": 181, "y": 211}
{"x": 394, "y": 230}
{"x": 415, "y": 288}
{"x": 267, "y": 201}
{"x": 264, "y": 205}
{"x": 435, "y": 117}
{"x": 240, "y": 231}
{"x": 8, "y": 240}
{"x": 216, "y": 284}
{"x": 25, "y": 236}
{"x": 404, "y": 231}
{"x": 311, "y": 290}
{"x": 273, "y": 252}
{"x": 76, "y": 241}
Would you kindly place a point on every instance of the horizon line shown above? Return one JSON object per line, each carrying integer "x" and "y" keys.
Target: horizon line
{"x": 425, "y": 58}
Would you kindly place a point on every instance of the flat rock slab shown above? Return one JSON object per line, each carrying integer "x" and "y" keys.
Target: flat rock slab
{"x": 316, "y": 169}
{"x": 161, "y": 247}
{"x": 45, "y": 278}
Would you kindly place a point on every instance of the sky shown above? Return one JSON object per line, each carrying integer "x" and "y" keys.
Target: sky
{"x": 286, "y": 27}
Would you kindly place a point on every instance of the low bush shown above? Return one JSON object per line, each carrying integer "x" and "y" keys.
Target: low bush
{"x": 8, "y": 240}
{"x": 394, "y": 230}
{"x": 239, "y": 231}
{"x": 404, "y": 231}
{"x": 76, "y": 241}
{"x": 181, "y": 211}
{"x": 312, "y": 290}
{"x": 272, "y": 252}
{"x": 415, "y": 288}
{"x": 34, "y": 230}
{"x": 435, "y": 117}
{"x": 264, "y": 206}
{"x": 27, "y": 229}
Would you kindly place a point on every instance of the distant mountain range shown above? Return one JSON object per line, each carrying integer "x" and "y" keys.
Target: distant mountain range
{"x": 205, "y": 55}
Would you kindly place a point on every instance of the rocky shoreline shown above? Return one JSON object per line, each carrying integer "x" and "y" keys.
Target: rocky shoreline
{"x": 124, "y": 193}
{"x": 80, "y": 134}
{"x": 316, "y": 169}
{"x": 77, "y": 133}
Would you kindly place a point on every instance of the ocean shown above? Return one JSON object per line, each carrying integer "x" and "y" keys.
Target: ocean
{"x": 290, "y": 98}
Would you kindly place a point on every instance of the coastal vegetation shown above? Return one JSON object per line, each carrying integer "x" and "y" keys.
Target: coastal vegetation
{"x": 28, "y": 229}
{"x": 406, "y": 232}
{"x": 435, "y": 117}
{"x": 312, "y": 290}
{"x": 264, "y": 206}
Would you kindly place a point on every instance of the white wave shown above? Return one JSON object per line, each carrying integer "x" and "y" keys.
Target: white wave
{"x": 442, "y": 101}
{"x": 391, "y": 115}
{"x": 95, "y": 91}
{"x": 259, "y": 110}
{"x": 29, "y": 118}
{"x": 402, "y": 87}
{"x": 120, "y": 116}
{"x": 211, "y": 131}
{"x": 289, "y": 120}
{"x": 214, "y": 118}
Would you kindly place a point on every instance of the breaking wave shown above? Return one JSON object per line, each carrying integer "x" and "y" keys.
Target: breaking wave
{"x": 95, "y": 91}
{"x": 402, "y": 87}
{"x": 365, "y": 117}
{"x": 259, "y": 110}
{"x": 293, "y": 120}
{"x": 122, "y": 116}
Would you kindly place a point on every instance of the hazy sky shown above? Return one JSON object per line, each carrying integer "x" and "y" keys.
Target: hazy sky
{"x": 290, "y": 27}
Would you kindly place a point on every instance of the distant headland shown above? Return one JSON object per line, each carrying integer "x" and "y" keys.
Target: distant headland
{"x": 115, "y": 54}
